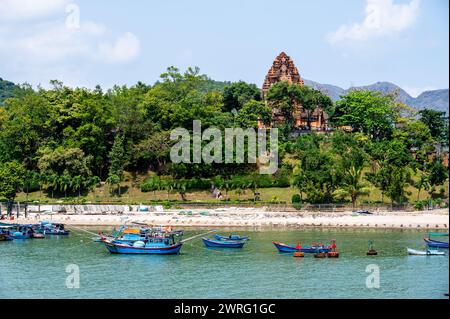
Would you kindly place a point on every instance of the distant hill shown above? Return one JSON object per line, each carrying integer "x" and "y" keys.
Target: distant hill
{"x": 435, "y": 99}
{"x": 6, "y": 89}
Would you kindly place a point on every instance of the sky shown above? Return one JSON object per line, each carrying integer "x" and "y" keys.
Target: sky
{"x": 345, "y": 43}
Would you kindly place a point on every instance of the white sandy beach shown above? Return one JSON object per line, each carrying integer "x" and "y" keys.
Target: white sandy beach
{"x": 253, "y": 217}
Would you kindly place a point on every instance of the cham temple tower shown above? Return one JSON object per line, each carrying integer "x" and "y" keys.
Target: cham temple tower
{"x": 284, "y": 69}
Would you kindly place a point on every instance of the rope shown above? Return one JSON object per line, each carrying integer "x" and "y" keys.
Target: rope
{"x": 87, "y": 231}
{"x": 196, "y": 236}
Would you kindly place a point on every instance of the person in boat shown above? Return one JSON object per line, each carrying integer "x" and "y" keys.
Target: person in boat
{"x": 333, "y": 245}
{"x": 299, "y": 246}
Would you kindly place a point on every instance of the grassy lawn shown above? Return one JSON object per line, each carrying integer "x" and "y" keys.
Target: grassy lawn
{"x": 133, "y": 195}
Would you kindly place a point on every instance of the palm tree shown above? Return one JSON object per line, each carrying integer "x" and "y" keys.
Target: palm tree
{"x": 77, "y": 183}
{"x": 352, "y": 186}
{"x": 422, "y": 183}
{"x": 64, "y": 183}
{"x": 113, "y": 180}
{"x": 298, "y": 181}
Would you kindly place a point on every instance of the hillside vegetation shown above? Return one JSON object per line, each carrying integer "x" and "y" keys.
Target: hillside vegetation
{"x": 67, "y": 142}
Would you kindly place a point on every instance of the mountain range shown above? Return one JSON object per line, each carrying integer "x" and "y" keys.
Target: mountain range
{"x": 436, "y": 99}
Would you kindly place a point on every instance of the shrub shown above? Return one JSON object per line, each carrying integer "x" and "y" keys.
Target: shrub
{"x": 296, "y": 199}
{"x": 420, "y": 204}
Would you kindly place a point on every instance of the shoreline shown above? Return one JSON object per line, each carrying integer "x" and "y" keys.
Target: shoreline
{"x": 252, "y": 217}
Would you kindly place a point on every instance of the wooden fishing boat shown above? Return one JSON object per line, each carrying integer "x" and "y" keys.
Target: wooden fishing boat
{"x": 231, "y": 237}
{"x": 428, "y": 252}
{"x": 283, "y": 248}
{"x": 223, "y": 243}
{"x": 152, "y": 247}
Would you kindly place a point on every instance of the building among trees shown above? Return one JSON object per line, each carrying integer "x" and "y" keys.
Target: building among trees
{"x": 284, "y": 69}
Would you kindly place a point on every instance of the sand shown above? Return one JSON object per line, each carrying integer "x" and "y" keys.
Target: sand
{"x": 255, "y": 217}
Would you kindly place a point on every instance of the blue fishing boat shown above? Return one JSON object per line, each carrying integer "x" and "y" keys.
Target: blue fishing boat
{"x": 18, "y": 231}
{"x": 435, "y": 243}
{"x": 231, "y": 237}
{"x": 156, "y": 246}
{"x": 5, "y": 233}
{"x": 223, "y": 243}
{"x": 48, "y": 228}
{"x": 129, "y": 236}
{"x": 283, "y": 248}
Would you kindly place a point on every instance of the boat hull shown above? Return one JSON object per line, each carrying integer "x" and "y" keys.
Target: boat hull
{"x": 4, "y": 237}
{"x": 435, "y": 243}
{"x": 51, "y": 233}
{"x": 425, "y": 253}
{"x": 282, "y": 248}
{"x": 232, "y": 237}
{"x": 223, "y": 243}
{"x": 116, "y": 248}
{"x": 21, "y": 236}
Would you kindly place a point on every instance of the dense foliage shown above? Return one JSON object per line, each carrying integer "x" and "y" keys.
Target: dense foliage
{"x": 68, "y": 140}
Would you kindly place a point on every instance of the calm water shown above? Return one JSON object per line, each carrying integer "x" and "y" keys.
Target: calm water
{"x": 37, "y": 269}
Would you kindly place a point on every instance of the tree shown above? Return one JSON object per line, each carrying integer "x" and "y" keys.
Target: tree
{"x": 437, "y": 123}
{"x": 253, "y": 111}
{"x": 311, "y": 99}
{"x": 113, "y": 180}
{"x": 237, "y": 94}
{"x": 77, "y": 184}
{"x": 11, "y": 180}
{"x": 368, "y": 112}
{"x": 117, "y": 162}
{"x": 422, "y": 183}
{"x": 284, "y": 98}
{"x": 438, "y": 173}
{"x": 400, "y": 178}
{"x": 299, "y": 181}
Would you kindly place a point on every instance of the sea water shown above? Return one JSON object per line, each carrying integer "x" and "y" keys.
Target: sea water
{"x": 76, "y": 267}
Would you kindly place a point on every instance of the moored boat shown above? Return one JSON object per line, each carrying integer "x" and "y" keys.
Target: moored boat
{"x": 153, "y": 246}
{"x": 53, "y": 229}
{"x": 283, "y": 248}
{"x": 18, "y": 231}
{"x": 5, "y": 234}
{"x": 231, "y": 237}
{"x": 436, "y": 243}
{"x": 223, "y": 243}
{"x": 428, "y": 252}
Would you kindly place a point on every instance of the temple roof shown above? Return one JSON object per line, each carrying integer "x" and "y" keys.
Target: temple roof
{"x": 283, "y": 69}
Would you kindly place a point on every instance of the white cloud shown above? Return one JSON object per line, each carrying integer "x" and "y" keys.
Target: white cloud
{"x": 11, "y": 10}
{"x": 51, "y": 44}
{"x": 382, "y": 17}
{"x": 125, "y": 48}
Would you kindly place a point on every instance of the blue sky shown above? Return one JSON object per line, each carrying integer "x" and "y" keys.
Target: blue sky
{"x": 345, "y": 43}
